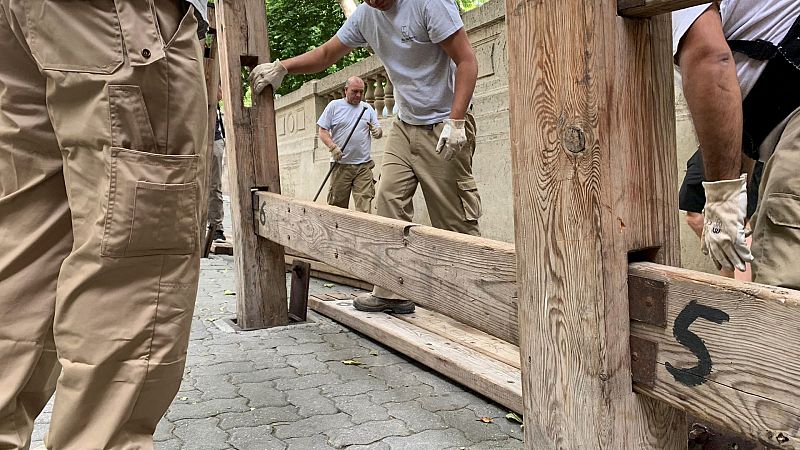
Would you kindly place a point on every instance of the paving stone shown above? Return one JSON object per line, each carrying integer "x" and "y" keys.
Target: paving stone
{"x": 312, "y": 426}
{"x": 415, "y": 417}
{"x": 203, "y": 433}
{"x": 394, "y": 376}
{"x": 348, "y": 372}
{"x": 367, "y": 433}
{"x": 309, "y": 443}
{"x": 439, "y": 384}
{"x": 275, "y": 342}
{"x": 164, "y": 431}
{"x": 311, "y": 403}
{"x": 259, "y": 416}
{"x": 307, "y": 381}
{"x": 215, "y": 387}
{"x": 468, "y": 422}
{"x": 508, "y": 444}
{"x": 401, "y": 394}
{"x": 172, "y": 444}
{"x": 255, "y": 438}
{"x": 306, "y": 364}
{"x": 361, "y": 408}
{"x": 303, "y": 349}
{"x": 429, "y": 440}
{"x": 353, "y": 387}
{"x": 224, "y": 368}
{"x": 447, "y": 401}
{"x": 262, "y": 376}
{"x": 262, "y": 394}
{"x": 361, "y": 354}
{"x": 373, "y": 446}
{"x": 210, "y": 408}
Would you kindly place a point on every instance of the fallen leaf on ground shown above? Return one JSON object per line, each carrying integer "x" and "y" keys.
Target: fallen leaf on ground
{"x": 229, "y": 292}
{"x": 486, "y": 419}
{"x": 373, "y": 353}
{"x": 352, "y": 362}
{"x": 329, "y": 285}
{"x": 514, "y": 417}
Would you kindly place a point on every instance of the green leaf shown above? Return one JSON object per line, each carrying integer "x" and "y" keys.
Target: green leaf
{"x": 514, "y": 417}
{"x": 229, "y": 292}
{"x": 352, "y": 362}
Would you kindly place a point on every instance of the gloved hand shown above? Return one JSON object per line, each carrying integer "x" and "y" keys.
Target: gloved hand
{"x": 452, "y": 139}
{"x": 336, "y": 153}
{"x": 267, "y": 74}
{"x": 376, "y": 132}
{"x": 723, "y": 229}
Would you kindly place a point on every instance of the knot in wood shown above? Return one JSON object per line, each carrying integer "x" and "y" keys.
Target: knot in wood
{"x": 574, "y": 139}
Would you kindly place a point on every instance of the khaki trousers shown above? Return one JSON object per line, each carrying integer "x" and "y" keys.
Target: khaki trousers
{"x": 356, "y": 178}
{"x": 215, "y": 203}
{"x": 776, "y": 223}
{"x": 449, "y": 188}
{"x": 102, "y": 124}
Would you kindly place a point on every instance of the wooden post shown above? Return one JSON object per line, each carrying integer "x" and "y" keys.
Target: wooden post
{"x": 253, "y": 164}
{"x": 592, "y": 133}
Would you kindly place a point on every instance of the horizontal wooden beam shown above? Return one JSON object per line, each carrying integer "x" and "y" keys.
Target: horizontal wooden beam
{"x": 729, "y": 353}
{"x": 475, "y": 370}
{"x": 471, "y": 279}
{"x": 649, "y": 8}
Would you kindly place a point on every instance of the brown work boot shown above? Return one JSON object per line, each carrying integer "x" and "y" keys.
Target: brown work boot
{"x": 370, "y": 303}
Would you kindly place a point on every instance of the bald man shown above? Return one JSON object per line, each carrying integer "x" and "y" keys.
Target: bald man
{"x": 353, "y": 164}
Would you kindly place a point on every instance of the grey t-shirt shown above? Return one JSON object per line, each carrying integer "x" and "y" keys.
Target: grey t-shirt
{"x": 201, "y": 6}
{"x": 339, "y": 118}
{"x": 406, "y": 39}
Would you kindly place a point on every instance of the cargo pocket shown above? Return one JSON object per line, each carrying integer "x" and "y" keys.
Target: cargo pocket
{"x": 470, "y": 199}
{"x": 151, "y": 206}
{"x": 784, "y": 210}
{"x": 74, "y": 36}
{"x": 775, "y": 245}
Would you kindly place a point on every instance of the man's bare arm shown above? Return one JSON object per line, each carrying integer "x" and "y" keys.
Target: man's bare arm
{"x": 318, "y": 59}
{"x": 713, "y": 94}
{"x": 325, "y": 137}
{"x": 458, "y": 48}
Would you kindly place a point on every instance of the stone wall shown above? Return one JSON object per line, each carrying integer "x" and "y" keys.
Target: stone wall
{"x": 304, "y": 160}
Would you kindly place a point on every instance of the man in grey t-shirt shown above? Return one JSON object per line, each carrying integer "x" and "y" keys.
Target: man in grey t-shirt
{"x": 353, "y": 163}
{"x": 428, "y": 58}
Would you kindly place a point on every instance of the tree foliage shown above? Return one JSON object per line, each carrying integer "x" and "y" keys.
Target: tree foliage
{"x": 296, "y": 27}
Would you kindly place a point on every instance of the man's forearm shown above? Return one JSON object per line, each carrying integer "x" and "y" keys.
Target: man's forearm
{"x": 318, "y": 59}
{"x": 325, "y": 137}
{"x": 466, "y": 76}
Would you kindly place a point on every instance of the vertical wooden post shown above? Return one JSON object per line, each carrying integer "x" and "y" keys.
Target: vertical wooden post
{"x": 252, "y": 164}
{"x": 592, "y": 132}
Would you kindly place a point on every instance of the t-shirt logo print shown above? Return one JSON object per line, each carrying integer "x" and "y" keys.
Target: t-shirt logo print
{"x": 406, "y": 37}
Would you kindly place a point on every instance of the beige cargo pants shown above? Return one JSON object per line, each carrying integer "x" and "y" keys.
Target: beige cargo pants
{"x": 449, "y": 188}
{"x": 355, "y": 178}
{"x": 776, "y": 223}
{"x": 215, "y": 201}
{"x": 102, "y": 121}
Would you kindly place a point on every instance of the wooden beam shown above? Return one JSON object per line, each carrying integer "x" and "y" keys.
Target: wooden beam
{"x": 749, "y": 381}
{"x": 253, "y": 164}
{"x": 497, "y": 381}
{"x": 594, "y": 170}
{"x": 323, "y": 271}
{"x": 649, "y": 8}
{"x": 468, "y": 278}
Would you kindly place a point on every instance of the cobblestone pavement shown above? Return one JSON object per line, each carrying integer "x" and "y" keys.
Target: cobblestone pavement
{"x": 287, "y": 388}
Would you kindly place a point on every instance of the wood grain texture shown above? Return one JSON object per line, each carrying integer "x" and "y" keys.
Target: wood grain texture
{"x": 649, "y": 8}
{"x": 325, "y": 272}
{"x": 591, "y": 175}
{"x": 497, "y": 381}
{"x": 252, "y": 162}
{"x": 468, "y": 278}
{"x": 465, "y": 335}
{"x": 753, "y": 385}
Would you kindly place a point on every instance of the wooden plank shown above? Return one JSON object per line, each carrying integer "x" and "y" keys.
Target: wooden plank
{"x": 327, "y": 272}
{"x": 753, "y": 359}
{"x": 649, "y": 8}
{"x": 252, "y": 163}
{"x": 594, "y": 178}
{"x": 464, "y": 335}
{"x": 434, "y": 268}
{"x": 298, "y": 298}
{"x": 497, "y": 381}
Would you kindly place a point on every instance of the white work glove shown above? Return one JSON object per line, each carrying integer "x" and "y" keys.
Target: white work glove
{"x": 264, "y": 75}
{"x": 723, "y": 228}
{"x": 452, "y": 139}
{"x": 376, "y": 132}
{"x": 336, "y": 153}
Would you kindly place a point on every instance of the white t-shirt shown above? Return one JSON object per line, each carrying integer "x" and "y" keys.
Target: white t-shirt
{"x": 769, "y": 20}
{"x": 407, "y": 38}
{"x": 338, "y": 118}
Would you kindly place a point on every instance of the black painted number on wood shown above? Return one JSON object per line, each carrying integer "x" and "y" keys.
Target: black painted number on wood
{"x": 262, "y": 213}
{"x": 694, "y": 376}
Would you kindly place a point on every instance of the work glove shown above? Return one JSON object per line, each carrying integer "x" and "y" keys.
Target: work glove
{"x": 723, "y": 228}
{"x": 269, "y": 74}
{"x": 376, "y": 132}
{"x": 336, "y": 153}
{"x": 452, "y": 139}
